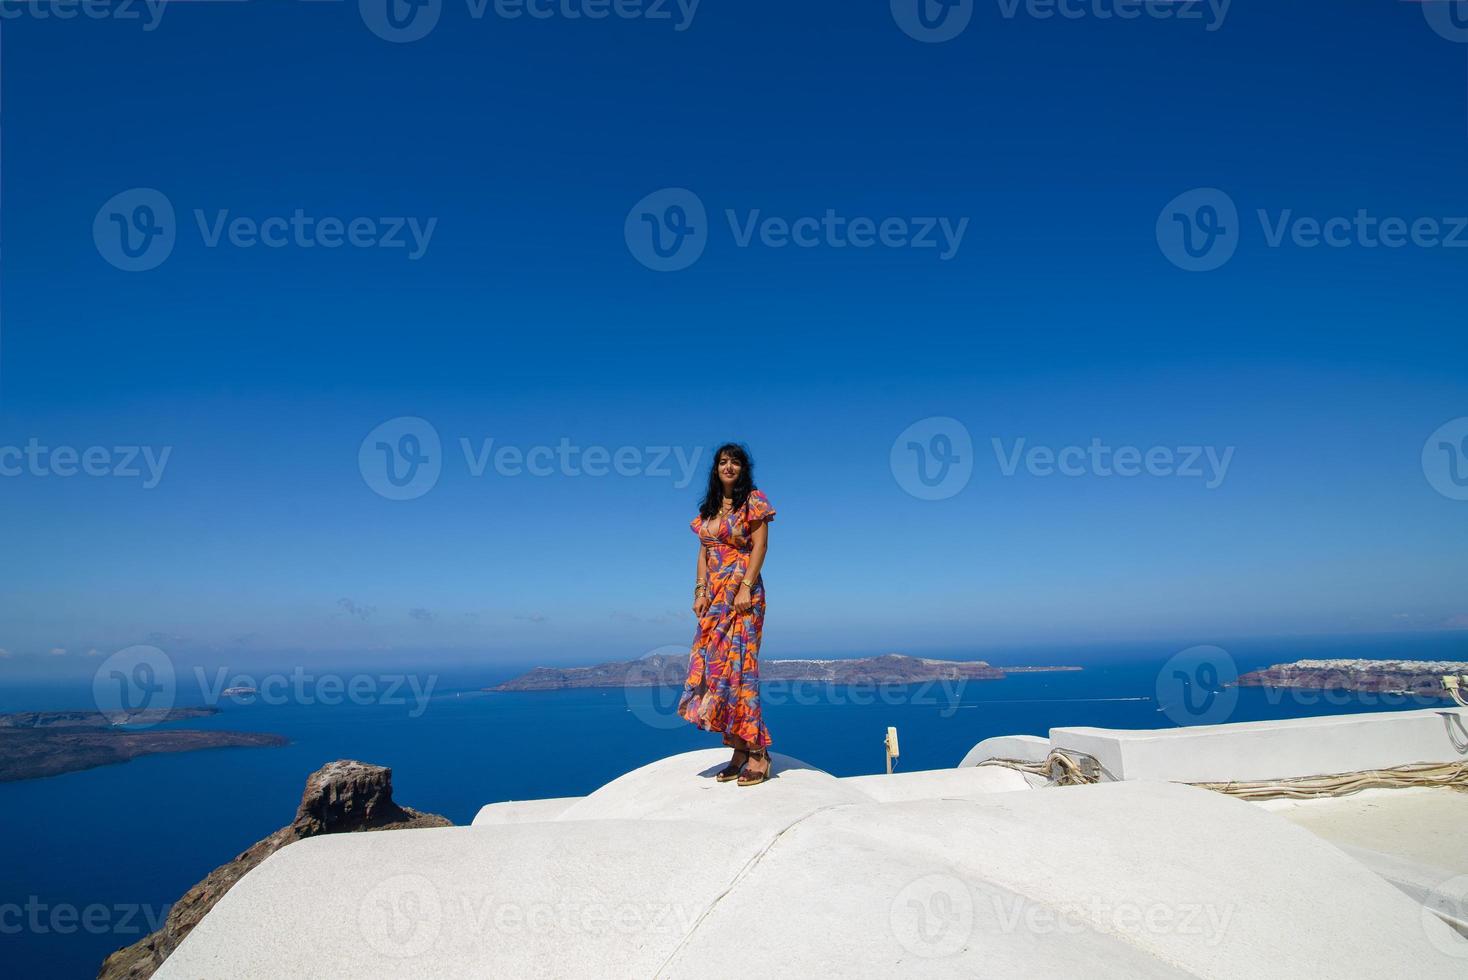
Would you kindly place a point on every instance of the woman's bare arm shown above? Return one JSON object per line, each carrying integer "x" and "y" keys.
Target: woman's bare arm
{"x": 760, "y": 538}
{"x": 700, "y": 592}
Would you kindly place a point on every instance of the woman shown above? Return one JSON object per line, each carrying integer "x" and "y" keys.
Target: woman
{"x": 722, "y": 691}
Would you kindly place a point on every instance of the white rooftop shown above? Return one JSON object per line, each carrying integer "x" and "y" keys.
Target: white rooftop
{"x": 960, "y": 872}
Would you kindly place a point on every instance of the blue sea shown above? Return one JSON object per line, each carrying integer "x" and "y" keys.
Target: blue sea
{"x": 89, "y": 860}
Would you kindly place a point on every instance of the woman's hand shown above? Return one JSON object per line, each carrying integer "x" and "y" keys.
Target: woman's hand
{"x": 743, "y": 600}
{"x": 700, "y": 606}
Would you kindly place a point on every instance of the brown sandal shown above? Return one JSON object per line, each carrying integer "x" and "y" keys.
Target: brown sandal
{"x": 733, "y": 769}
{"x": 755, "y": 778}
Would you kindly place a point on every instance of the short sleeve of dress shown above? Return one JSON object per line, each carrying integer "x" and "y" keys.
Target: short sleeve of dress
{"x": 757, "y": 508}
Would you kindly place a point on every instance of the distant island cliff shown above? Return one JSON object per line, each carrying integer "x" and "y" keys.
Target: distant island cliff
{"x": 1422, "y": 678}
{"x": 670, "y": 670}
{"x": 48, "y": 743}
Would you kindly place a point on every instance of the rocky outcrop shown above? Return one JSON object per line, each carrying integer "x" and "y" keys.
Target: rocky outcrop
{"x": 664, "y": 670}
{"x": 1422, "y": 678}
{"x": 340, "y": 797}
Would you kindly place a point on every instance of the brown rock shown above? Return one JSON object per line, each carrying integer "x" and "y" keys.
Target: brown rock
{"x": 340, "y": 797}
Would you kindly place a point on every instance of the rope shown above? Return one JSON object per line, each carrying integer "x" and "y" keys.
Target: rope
{"x": 1451, "y": 775}
{"x": 1058, "y": 767}
{"x": 1078, "y": 769}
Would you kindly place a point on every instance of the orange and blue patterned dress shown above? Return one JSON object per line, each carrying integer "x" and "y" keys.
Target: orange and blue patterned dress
{"x": 722, "y": 690}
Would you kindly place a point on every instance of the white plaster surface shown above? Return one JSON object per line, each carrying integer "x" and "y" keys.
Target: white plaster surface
{"x": 1265, "y": 750}
{"x": 664, "y": 872}
{"x": 1025, "y": 748}
{"x": 932, "y": 784}
{"x": 521, "y": 811}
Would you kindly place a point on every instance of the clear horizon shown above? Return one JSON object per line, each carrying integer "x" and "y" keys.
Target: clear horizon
{"x": 1049, "y": 427}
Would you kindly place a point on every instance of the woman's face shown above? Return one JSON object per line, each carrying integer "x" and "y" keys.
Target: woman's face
{"x": 729, "y": 468}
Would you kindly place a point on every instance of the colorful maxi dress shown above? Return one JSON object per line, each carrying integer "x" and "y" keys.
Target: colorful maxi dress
{"x": 722, "y": 690}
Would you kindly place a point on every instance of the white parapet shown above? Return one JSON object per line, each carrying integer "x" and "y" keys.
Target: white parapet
{"x": 1022, "y": 748}
{"x": 666, "y": 873}
{"x": 1258, "y": 750}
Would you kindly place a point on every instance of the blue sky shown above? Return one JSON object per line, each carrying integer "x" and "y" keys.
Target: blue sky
{"x": 529, "y": 319}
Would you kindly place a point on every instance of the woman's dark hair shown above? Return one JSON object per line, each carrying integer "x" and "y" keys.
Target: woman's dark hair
{"x": 713, "y": 500}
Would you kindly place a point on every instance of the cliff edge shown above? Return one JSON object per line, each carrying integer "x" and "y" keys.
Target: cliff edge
{"x": 341, "y": 797}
